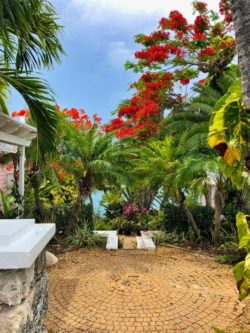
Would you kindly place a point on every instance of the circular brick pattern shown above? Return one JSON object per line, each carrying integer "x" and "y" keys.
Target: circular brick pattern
{"x": 137, "y": 291}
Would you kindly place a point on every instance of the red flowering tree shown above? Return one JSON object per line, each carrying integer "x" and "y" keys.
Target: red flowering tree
{"x": 171, "y": 57}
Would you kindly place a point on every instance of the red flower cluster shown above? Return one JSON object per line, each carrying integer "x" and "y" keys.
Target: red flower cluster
{"x": 80, "y": 118}
{"x": 207, "y": 52}
{"x": 97, "y": 119}
{"x": 21, "y": 113}
{"x": 200, "y": 6}
{"x": 177, "y": 21}
{"x": 61, "y": 174}
{"x": 201, "y": 23}
{"x": 224, "y": 7}
{"x": 226, "y": 10}
{"x": 202, "y": 82}
{"x": 199, "y": 36}
{"x": 55, "y": 165}
{"x": 156, "y": 37}
{"x": 143, "y": 112}
{"x": 184, "y": 81}
{"x": 155, "y": 53}
{"x": 9, "y": 167}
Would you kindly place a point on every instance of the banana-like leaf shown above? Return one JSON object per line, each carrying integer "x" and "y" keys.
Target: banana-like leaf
{"x": 229, "y": 125}
{"x": 243, "y": 230}
{"x": 242, "y": 269}
{"x": 5, "y": 203}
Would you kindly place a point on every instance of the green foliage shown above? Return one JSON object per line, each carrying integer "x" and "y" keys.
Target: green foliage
{"x": 229, "y": 125}
{"x": 218, "y": 330}
{"x": 230, "y": 258}
{"x": 113, "y": 210}
{"x": 87, "y": 216}
{"x": 29, "y": 34}
{"x": 155, "y": 220}
{"x": 176, "y": 221}
{"x": 170, "y": 237}
{"x": 84, "y": 237}
{"x": 29, "y": 41}
{"x": 102, "y": 225}
{"x": 242, "y": 269}
{"x": 123, "y": 225}
{"x": 9, "y": 207}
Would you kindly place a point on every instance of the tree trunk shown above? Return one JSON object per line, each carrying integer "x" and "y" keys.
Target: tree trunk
{"x": 189, "y": 215}
{"x": 35, "y": 181}
{"x": 219, "y": 205}
{"x": 84, "y": 191}
{"x": 73, "y": 214}
{"x": 241, "y": 19}
{"x": 207, "y": 197}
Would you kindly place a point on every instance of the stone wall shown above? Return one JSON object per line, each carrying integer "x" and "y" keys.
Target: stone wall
{"x": 24, "y": 298}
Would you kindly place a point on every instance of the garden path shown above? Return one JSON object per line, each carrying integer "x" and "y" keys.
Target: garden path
{"x": 128, "y": 242}
{"x": 132, "y": 291}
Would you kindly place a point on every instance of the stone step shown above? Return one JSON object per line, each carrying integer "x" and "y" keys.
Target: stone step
{"x": 140, "y": 244}
{"x": 147, "y": 240}
{"x": 112, "y": 243}
{"x": 112, "y": 238}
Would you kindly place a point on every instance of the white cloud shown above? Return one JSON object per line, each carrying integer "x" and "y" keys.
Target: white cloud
{"x": 101, "y": 11}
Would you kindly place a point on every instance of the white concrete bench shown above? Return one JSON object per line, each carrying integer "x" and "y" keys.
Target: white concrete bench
{"x": 112, "y": 238}
{"x": 147, "y": 240}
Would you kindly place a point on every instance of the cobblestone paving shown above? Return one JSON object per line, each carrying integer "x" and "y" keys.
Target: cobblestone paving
{"x": 137, "y": 291}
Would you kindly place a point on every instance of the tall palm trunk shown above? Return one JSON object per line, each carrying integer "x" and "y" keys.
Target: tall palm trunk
{"x": 73, "y": 214}
{"x": 35, "y": 180}
{"x": 189, "y": 215}
{"x": 241, "y": 19}
{"x": 84, "y": 188}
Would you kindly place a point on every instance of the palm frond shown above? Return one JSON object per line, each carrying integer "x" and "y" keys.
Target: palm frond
{"x": 38, "y": 96}
{"x": 29, "y": 34}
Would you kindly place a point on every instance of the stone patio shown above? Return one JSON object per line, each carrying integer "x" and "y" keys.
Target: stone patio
{"x": 137, "y": 291}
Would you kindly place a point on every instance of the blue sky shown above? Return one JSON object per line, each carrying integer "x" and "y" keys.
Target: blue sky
{"x": 98, "y": 39}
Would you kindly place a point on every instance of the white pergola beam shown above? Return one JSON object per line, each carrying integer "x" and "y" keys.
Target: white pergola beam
{"x": 12, "y": 139}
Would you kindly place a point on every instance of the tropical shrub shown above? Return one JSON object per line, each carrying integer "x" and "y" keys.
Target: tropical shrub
{"x": 176, "y": 221}
{"x": 84, "y": 237}
{"x": 155, "y": 220}
{"x": 9, "y": 208}
{"x": 164, "y": 237}
{"x": 123, "y": 225}
{"x": 204, "y": 216}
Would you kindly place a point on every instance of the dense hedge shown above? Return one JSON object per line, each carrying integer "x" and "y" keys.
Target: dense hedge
{"x": 175, "y": 220}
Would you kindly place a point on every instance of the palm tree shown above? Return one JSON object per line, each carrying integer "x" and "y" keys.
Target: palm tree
{"x": 196, "y": 173}
{"x": 189, "y": 125}
{"x": 29, "y": 41}
{"x": 158, "y": 163}
{"x": 94, "y": 161}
